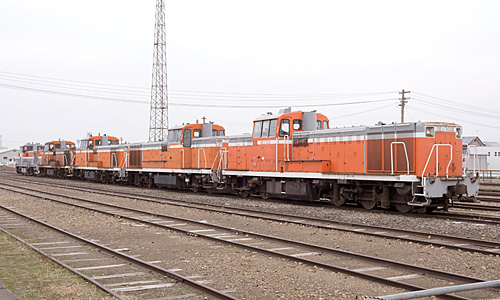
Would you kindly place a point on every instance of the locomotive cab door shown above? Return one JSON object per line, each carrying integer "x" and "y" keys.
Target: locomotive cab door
{"x": 186, "y": 150}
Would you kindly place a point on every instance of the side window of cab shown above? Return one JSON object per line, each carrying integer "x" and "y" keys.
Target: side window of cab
{"x": 297, "y": 124}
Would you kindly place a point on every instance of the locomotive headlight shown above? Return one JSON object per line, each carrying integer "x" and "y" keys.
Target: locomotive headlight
{"x": 429, "y": 131}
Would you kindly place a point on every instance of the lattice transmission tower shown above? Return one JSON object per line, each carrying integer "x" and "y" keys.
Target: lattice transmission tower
{"x": 158, "y": 125}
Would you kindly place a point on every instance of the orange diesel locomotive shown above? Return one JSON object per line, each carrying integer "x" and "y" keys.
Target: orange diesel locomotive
{"x": 295, "y": 155}
{"x": 57, "y": 158}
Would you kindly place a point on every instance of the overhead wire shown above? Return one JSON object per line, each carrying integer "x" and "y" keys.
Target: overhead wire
{"x": 448, "y": 117}
{"x": 466, "y": 107}
{"x": 454, "y": 108}
{"x": 186, "y": 94}
{"x": 185, "y": 104}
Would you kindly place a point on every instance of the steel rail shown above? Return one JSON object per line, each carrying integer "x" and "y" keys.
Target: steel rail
{"x": 483, "y": 219}
{"x": 85, "y": 277}
{"x": 403, "y": 266}
{"x": 477, "y": 207}
{"x": 182, "y": 279}
{"x": 293, "y": 219}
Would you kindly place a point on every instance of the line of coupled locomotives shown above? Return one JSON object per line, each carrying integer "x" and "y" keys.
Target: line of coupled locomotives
{"x": 290, "y": 155}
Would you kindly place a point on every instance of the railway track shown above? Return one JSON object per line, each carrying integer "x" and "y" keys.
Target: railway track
{"x": 360, "y": 266}
{"x": 475, "y": 206}
{"x": 489, "y": 184}
{"x": 451, "y": 216}
{"x": 455, "y": 216}
{"x": 426, "y": 238}
{"x": 116, "y": 273}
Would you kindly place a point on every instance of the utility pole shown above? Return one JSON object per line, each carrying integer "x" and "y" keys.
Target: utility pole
{"x": 158, "y": 121}
{"x": 403, "y": 102}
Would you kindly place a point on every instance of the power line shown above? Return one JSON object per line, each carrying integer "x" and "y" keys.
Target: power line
{"x": 461, "y": 120}
{"x": 186, "y": 95}
{"x": 198, "y": 93}
{"x": 467, "y": 107}
{"x": 186, "y": 104}
{"x": 453, "y": 108}
{"x": 67, "y": 80}
{"x": 364, "y": 111}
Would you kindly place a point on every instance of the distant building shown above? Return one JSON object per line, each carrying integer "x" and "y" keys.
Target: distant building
{"x": 492, "y": 155}
{"x": 471, "y": 141}
{"x": 483, "y": 156}
{"x": 8, "y": 157}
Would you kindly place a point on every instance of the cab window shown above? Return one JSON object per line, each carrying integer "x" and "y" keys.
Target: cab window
{"x": 91, "y": 144}
{"x": 318, "y": 124}
{"x": 197, "y": 133}
{"x": 116, "y": 142}
{"x": 297, "y": 124}
{"x": 285, "y": 127}
{"x": 325, "y": 124}
{"x": 58, "y": 146}
{"x": 83, "y": 144}
{"x": 51, "y": 146}
{"x": 272, "y": 127}
{"x": 221, "y": 132}
{"x": 265, "y": 129}
{"x": 98, "y": 142}
{"x": 174, "y": 136}
{"x": 214, "y": 132}
{"x": 257, "y": 129}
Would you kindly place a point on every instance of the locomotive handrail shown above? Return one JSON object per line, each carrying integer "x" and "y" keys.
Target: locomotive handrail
{"x": 223, "y": 156}
{"x": 204, "y": 155}
{"x": 277, "y": 143}
{"x": 467, "y": 157}
{"x": 182, "y": 151}
{"x": 116, "y": 161}
{"x": 392, "y": 157}
{"x": 217, "y": 170}
{"x": 124, "y": 163}
{"x": 286, "y": 153}
{"x": 436, "y": 146}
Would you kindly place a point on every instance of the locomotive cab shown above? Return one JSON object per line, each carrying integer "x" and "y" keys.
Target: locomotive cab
{"x": 273, "y": 137}
{"x": 184, "y": 135}
{"x": 57, "y": 145}
{"x": 57, "y": 158}
{"x": 96, "y": 141}
{"x": 285, "y": 123}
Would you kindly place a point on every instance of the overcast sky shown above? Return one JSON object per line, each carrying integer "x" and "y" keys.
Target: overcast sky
{"x": 61, "y": 60}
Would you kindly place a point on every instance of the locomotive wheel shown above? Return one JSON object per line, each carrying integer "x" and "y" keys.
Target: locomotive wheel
{"x": 264, "y": 196}
{"x": 369, "y": 204}
{"x": 340, "y": 202}
{"x": 403, "y": 208}
{"x": 149, "y": 182}
{"x": 244, "y": 194}
{"x": 421, "y": 210}
{"x": 195, "y": 189}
